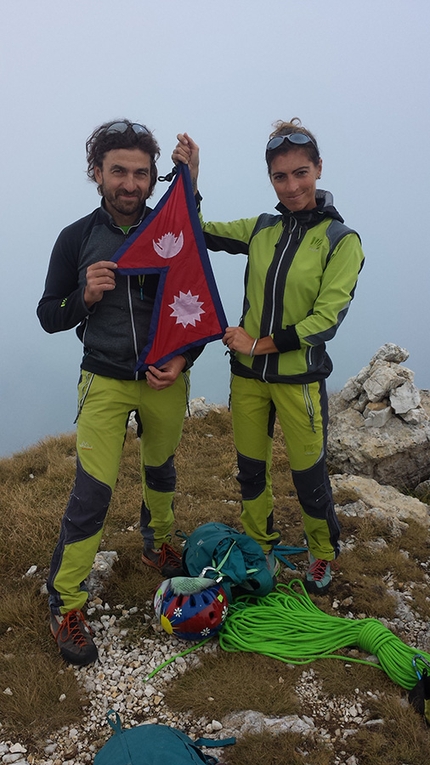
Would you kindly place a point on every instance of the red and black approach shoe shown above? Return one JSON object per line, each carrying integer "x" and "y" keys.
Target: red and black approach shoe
{"x": 165, "y": 560}
{"x": 74, "y": 638}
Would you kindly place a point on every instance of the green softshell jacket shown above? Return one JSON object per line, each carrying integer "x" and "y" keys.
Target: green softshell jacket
{"x": 299, "y": 282}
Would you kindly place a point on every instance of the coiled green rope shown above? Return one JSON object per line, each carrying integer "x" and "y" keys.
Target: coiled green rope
{"x": 288, "y": 626}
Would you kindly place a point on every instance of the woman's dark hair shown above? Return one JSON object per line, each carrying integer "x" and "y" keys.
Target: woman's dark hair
{"x": 106, "y": 137}
{"x": 287, "y": 128}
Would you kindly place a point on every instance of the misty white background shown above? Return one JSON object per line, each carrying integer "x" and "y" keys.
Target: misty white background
{"x": 356, "y": 73}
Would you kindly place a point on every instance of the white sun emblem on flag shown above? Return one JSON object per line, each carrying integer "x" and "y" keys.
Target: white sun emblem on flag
{"x": 205, "y": 632}
{"x": 224, "y": 613}
{"x": 177, "y": 612}
{"x": 186, "y": 308}
{"x": 168, "y": 245}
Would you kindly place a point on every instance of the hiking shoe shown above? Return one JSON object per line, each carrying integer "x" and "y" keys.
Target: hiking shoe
{"x": 273, "y": 564}
{"x": 318, "y": 576}
{"x": 73, "y": 637}
{"x": 165, "y": 560}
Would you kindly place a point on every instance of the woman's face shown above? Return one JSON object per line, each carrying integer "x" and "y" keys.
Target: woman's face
{"x": 294, "y": 178}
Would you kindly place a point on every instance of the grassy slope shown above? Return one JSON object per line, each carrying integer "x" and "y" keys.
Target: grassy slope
{"x": 34, "y": 486}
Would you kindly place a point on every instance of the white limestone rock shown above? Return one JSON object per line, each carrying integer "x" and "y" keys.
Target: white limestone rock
{"x": 390, "y": 352}
{"x": 351, "y": 389}
{"x": 377, "y": 418}
{"x": 199, "y": 408}
{"x": 416, "y": 416}
{"x": 396, "y": 454}
{"x": 404, "y": 398}
{"x": 362, "y": 375}
{"x": 384, "y": 431}
{"x": 241, "y": 723}
{"x": 380, "y": 501}
{"x": 384, "y": 378}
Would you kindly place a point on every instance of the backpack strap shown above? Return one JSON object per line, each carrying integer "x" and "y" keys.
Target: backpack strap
{"x": 220, "y": 565}
{"x": 182, "y": 535}
{"x": 226, "y": 556}
{"x": 210, "y": 743}
{"x": 114, "y": 721}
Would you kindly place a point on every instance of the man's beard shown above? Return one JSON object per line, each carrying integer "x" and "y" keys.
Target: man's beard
{"x": 124, "y": 203}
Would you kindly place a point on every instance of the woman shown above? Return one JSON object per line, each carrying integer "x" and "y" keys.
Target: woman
{"x": 302, "y": 269}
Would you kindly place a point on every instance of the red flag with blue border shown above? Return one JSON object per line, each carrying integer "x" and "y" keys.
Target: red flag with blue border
{"x": 187, "y": 310}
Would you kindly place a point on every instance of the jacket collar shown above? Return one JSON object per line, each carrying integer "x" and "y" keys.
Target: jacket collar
{"x": 107, "y": 217}
{"x": 324, "y": 209}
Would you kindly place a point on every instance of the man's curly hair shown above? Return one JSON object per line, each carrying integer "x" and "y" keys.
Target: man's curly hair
{"x": 102, "y": 140}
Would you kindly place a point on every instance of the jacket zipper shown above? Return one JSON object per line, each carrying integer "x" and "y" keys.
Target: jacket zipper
{"x": 133, "y": 326}
{"x": 290, "y": 233}
{"x": 309, "y": 406}
{"x": 130, "y": 302}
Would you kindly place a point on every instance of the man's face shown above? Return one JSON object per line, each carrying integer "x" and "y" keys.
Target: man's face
{"x": 124, "y": 180}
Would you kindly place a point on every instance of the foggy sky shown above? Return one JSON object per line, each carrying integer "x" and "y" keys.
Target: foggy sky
{"x": 357, "y": 74}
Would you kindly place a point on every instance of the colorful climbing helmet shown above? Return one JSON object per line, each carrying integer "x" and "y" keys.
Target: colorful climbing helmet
{"x": 193, "y": 616}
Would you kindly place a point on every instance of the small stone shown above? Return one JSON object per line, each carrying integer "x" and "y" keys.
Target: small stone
{"x": 18, "y": 748}
{"x": 352, "y": 760}
{"x": 405, "y": 397}
{"x": 377, "y": 418}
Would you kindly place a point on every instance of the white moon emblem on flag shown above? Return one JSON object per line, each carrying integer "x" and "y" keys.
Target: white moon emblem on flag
{"x": 168, "y": 245}
{"x": 186, "y": 308}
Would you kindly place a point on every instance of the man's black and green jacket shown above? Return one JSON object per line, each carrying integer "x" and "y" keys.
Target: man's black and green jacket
{"x": 115, "y": 330}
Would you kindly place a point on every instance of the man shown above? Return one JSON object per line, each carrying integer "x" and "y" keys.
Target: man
{"x": 112, "y": 314}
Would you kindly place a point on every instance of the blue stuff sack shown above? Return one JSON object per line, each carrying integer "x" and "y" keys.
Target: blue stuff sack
{"x": 219, "y": 552}
{"x": 153, "y": 745}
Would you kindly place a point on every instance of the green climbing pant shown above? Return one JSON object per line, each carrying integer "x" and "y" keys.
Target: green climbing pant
{"x": 104, "y": 405}
{"x": 302, "y": 414}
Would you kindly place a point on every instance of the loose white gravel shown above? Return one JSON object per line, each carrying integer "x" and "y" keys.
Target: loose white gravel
{"x": 118, "y": 681}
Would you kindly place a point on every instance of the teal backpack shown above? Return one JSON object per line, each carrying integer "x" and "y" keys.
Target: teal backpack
{"x": 153, "y": 745}
{"x": 219, "y": 552}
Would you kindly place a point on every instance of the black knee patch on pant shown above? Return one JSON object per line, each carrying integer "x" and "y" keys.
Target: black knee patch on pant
{"x": 145, "y": 529}
{"x": 162, "y": 478}
{"x": 83, "y": 518}
{"x": 314, "y": 491}
{"x": 87, "y": 507}
{"x": 251, "y": 476}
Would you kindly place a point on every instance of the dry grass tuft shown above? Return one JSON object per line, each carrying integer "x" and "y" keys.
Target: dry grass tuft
{"x": 403, "y": 737}
{"x": 131, "y": 582}
{"x": 349, "y": 677}
{"x": 38, "y": 681}
{"x": 227, "y": 683}
{"x": 284, "y": 749}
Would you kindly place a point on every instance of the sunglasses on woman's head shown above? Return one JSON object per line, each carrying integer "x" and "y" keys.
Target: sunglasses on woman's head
{"x": 298, "y": 139}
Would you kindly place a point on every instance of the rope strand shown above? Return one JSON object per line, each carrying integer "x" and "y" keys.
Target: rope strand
{"x": 286, "y": 625}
